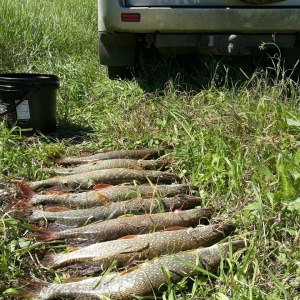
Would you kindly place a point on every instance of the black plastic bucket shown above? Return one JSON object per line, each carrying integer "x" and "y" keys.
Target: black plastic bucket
{"x": 29, "y": 101}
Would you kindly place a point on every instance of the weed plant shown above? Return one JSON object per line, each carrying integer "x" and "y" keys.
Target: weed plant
{"x": 234, "y": 131}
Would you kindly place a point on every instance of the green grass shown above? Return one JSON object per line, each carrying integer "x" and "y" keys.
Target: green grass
{"x": 234, "y": 132}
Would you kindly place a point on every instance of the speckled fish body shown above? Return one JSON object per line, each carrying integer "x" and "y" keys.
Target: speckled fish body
{"x": 99, "y": 256}
{"x": 140, "y": 281}
{"x": 81, "y": 217}
{"x": 123, "y": 226}
{"x": 129, "y": 154}
{"x": 110, "y": 164}
{"x": 43, "y": 291}
{"x": 113, "y": 193}
{"x": 110, "y": 176}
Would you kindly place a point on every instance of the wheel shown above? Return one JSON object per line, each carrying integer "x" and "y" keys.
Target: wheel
{"x": 117, "y": 72}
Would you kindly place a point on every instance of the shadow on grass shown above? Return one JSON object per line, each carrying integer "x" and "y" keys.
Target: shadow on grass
{"x": 194, "y": 72}
{"x": 197, "y": 72}
{"x": 74, "y": 133}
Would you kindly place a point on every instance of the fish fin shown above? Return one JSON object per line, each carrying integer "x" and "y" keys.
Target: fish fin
{"x": 72, "y": 248}
{"x": 108, "y": 150}
{"x": 92, "y": 160}
{"x": 130, "y": 261}
{"x": 103, "y": 199}
{"x": 107, "y": 257}
{"x": 146, "y": 156}
{"x": 135, "y": 249}
{"x": 79, "y": 242}
{"x": 57, "y": 208}
{"x": 26, "y": 190}
{"x": 32, "y": 289}
{"x": 21, "y": 204}
{"x": 162, "y": 164}
{"x": 125, "y": 216}
{"x": 55, "y": 159}
{"x": 57, "y": 192}
{"x": 43, "y": 234}
{"x": 182, "y": 205}
{"x": 101, "y": 186}
{"x": 125, "y": 250}
{"x": 191, "y": 251}
{"x": 86, "y": 270}
{"x": 72, "y": 279}
{"x": 174, "y": 228}
{"x": 61, "y": 168}
{"x": 127, "y": 237}
{"x": 137, "y": 168}
{"x": 128, "y": 270}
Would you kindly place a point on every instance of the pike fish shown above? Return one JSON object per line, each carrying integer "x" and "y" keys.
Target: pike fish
{"x": 110, "y": 164}
{"x": 104, "y": 195}
{"x": 147, "y": 279}
{"x": 112, "y": 176}
{"x": 100, "y": 256}
{"x": 80, "y": 217}
{"x": 123, "y": 226}
{"x": 120, "y": 154}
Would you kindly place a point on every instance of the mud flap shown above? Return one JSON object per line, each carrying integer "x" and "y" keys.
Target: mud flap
{"x": 117, "y": 49}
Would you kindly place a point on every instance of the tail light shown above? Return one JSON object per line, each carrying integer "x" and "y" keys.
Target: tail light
{"x": 130, "y": 17}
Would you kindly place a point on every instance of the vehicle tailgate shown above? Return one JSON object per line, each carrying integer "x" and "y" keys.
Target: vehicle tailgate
{"x": 203, "y": 3}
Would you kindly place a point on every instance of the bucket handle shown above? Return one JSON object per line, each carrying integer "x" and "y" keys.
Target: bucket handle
{"x": 20, "y": 101}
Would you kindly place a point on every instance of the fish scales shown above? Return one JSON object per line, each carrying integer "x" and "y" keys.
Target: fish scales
{"x": 120, "y": 154}
{"x": 150, "y": 277}
{"x": 113, "y": 193}
{"x": 110, "y": 164}
{"x": 81, "y": 217}
{"x": 112, "y": 176}
{"x": 98, "y": 257}
{"x": 116, "y": 228}
{"x": 144, "y": 280}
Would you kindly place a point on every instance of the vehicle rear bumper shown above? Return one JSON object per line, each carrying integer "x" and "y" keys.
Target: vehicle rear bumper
{"x": 200, "y": 20}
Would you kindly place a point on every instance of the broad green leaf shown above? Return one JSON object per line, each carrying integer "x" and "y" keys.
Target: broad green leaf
{"x": 292, "y": 122}
{"x": 221, "y": 296}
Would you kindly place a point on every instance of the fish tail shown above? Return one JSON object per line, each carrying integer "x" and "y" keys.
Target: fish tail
{"x": 57, "y": 208}
{"x": 24, "y": 210}
{"x": 55, "y": 159}
{"x": 49, "y": 259}
{"x": 27, "y": 192}
{"x": 32, "y": 289}
{"x": 43, "y": 234}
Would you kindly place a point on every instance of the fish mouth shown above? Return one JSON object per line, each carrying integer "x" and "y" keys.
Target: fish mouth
{"x": 169, "y": 176}
{"x": 226, "y": 229}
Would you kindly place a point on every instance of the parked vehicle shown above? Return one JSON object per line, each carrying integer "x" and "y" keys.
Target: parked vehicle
{"x": 219, "y": 27}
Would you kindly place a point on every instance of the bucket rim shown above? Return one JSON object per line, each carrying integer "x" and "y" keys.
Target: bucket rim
{"x": 25, "y": 81}
{"x": 27, "y": 76}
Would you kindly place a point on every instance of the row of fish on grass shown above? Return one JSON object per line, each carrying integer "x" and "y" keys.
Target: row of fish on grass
{"x": 121, "y": 226}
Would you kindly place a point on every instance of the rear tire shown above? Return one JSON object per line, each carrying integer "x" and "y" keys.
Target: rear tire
{"x": 117, "y": 72}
